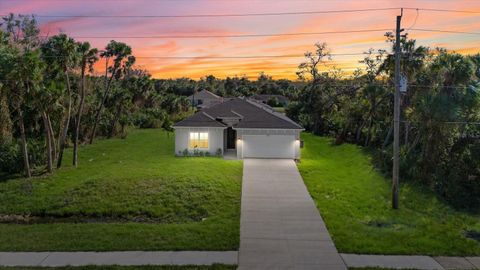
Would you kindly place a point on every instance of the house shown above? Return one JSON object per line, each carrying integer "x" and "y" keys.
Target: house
{"x": 272, "y": 100}
{"x": 204, "y": 99}
{"x": 242, "y": 126}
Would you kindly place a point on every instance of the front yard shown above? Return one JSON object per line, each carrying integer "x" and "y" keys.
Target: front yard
{"x": 130, "y": 194}
{"x": 354, "y": 200}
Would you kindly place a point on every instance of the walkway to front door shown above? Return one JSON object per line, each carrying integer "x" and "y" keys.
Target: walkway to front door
{"x": 280, "y": 227}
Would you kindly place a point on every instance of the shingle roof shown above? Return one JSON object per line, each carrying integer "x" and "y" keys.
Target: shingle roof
{"x": 250, "y": 113}
{"x": 199, "y": 119}
{"x": 204, "y": 94}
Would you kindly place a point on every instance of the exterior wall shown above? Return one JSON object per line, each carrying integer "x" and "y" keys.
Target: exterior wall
{"x": 215, "y": 139}
{"x": 242, "y": 132}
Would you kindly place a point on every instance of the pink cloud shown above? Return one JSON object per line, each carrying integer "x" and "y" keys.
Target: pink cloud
{"x": 282, "y": 67}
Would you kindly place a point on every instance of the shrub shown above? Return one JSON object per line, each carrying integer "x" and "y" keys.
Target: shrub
{"x": 219, "y": 152}
{"x": 149, "y": 118}
{"x": 36, "y": 152}
{"x": 185, "y": 152}
{"x": 10, "y": 157}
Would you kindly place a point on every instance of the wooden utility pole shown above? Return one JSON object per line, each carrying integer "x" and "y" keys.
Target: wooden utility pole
{"x": 396, "y": 115}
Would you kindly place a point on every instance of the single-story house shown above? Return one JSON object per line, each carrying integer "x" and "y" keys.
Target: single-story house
{"x": 204, "y": 99}
{"x": 239, "y": 125}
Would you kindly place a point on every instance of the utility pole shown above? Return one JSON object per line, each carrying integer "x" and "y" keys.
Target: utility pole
{"x": 396, "y": 115}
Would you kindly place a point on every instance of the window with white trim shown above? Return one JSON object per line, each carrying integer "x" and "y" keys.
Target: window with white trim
{"x": 198, "y": 140}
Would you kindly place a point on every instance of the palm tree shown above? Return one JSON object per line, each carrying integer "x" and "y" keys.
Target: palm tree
{"x": 25, "y": 75}
{"x": 63, "y": 53}
{"x": 24, "y": 68}
{"x": 122, "y": 61}
{"x": 88, "y": 57}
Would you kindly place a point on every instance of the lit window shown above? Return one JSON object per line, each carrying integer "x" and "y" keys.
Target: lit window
{"x": 198, "y": 140}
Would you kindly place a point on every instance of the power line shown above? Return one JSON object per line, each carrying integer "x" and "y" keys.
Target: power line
{"x": 231, "y": 57}
{"x": 219, "y": 15}
{"x": 234, "y": 36}
{"x": 414, "y": 21}
{"x": 444, "y": 10}
{"x": 445, "y": 31}
{"x": 254, "y": 14}
{"x": 269, "y": 34}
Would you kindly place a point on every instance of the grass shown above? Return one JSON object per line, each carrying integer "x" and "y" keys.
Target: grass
{"x": 130, "y": 194}
{"x": 116, "y": 267}
{"x": 279, "y": 109}
{"x": 354, "y": 200}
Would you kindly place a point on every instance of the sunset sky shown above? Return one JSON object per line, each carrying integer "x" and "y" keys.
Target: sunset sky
{"x": 111, "y": 28}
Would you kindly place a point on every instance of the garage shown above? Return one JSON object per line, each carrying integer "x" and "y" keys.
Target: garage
{"x": 269, "y": 146}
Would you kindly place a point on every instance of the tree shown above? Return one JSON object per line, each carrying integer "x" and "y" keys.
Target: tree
{"x": 374, "y": 92}
{"x": 122, "y": 61}
{"x": 88, "y": 57}
{"x": 20, "y": 40}
{"x": 6, "y": 56}
{"x": 26, "y": 75}
{"x": 60, "y": 51}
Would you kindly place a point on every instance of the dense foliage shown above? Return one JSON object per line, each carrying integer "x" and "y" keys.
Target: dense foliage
{"x": 440, "y": 130}
{"x": 50, "y": 98}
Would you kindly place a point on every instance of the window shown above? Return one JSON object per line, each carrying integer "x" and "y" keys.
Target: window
{"x": 198, "y": 140}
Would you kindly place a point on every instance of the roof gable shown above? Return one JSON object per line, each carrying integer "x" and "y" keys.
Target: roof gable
{"x": 200, "y": 119}
{"x": 204, "y": 94}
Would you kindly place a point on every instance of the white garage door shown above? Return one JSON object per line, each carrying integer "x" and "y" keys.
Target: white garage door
{"x": 268, "y": 146}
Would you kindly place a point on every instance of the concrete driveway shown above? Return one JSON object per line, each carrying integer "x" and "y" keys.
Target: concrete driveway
{"x": 280, "y": 226}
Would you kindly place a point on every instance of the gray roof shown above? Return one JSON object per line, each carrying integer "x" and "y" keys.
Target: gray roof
{"x": 199, "y": 119}
{"x": 249, "y": 113}
{"x": 204, "y": 94}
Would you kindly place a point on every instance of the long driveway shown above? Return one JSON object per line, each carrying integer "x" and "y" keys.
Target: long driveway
{"x": 280, "y": 226}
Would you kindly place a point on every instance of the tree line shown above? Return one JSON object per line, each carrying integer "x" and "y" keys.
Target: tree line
{"x": 51, "y": 98}
{"x": 440, "y": 128}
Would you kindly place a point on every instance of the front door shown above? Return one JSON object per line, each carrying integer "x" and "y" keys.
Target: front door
{"x": 231, "y": 137}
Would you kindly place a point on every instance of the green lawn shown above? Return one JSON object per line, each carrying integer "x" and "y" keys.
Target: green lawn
{"x": 354, "y": 200}
{"x": 130, "y": 194}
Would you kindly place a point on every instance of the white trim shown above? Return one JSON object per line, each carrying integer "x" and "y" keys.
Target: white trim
{"x": 302, "y": 129}
{"x": 184, "y": 127}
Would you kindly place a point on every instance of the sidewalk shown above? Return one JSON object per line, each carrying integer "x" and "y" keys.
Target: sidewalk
{"x": 53, "y": 259}
{"x": 135, "y": 258}
{"x": 411, "y": 262}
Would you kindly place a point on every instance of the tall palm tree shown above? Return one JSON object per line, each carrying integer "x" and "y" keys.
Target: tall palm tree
{"x": 61, "y": 51}
{"x": 88, "y": 57}
{"x": 122, "y": 61}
